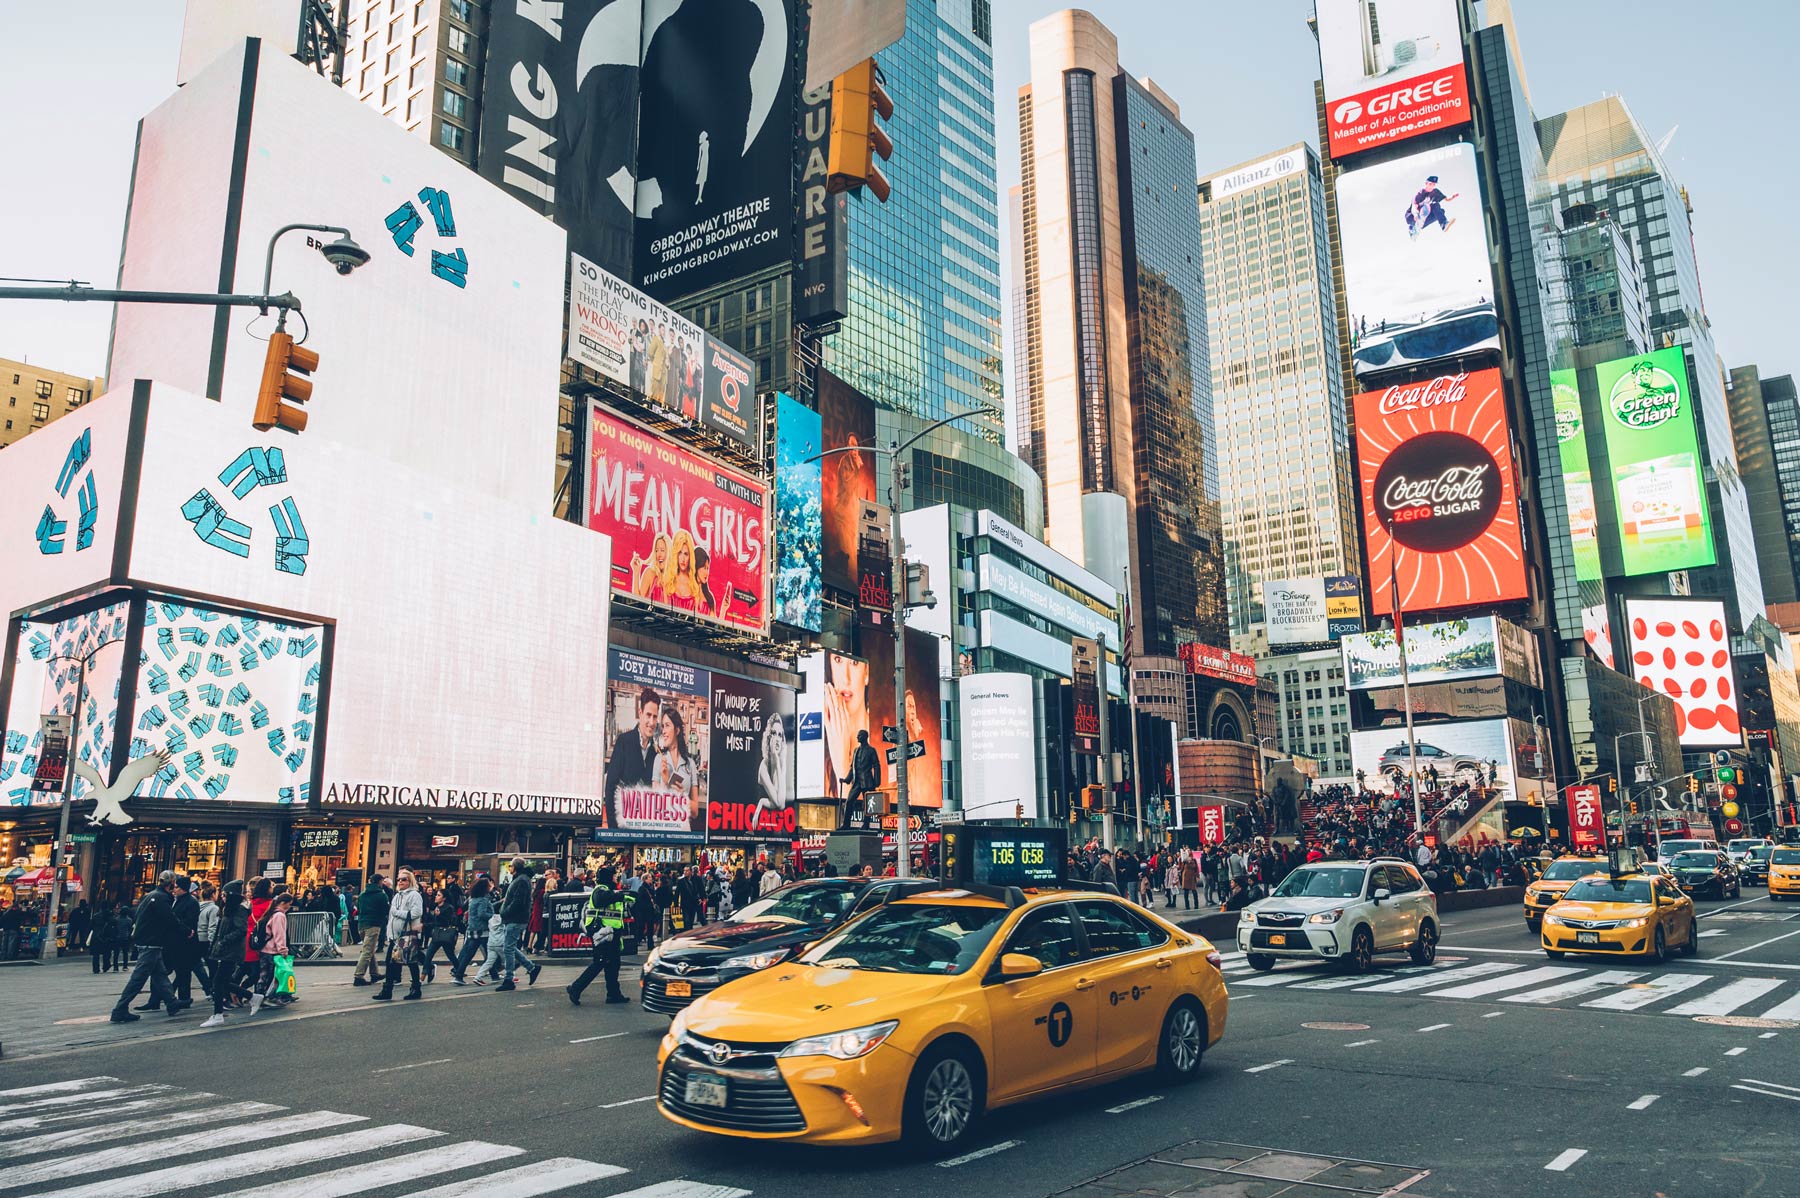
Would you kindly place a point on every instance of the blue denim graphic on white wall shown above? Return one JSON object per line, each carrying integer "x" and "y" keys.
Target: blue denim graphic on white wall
{"x": 404, "y": 223}
{"x": 52, "y": 528}
{"x": 254, "y": 467}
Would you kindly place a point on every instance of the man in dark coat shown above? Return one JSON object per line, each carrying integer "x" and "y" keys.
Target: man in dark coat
{"x": 155, "y": 931}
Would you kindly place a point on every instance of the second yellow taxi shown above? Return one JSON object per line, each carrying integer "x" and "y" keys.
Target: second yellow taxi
{"x": 1634, "y": 914}
{"x": 1784, "y": 872}
{"x": 1559, "y": 875}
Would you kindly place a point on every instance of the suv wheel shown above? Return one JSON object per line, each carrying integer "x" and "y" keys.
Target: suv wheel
{"x": 1424, "y": 949}
{"x": 1261, "y": 962}
{"x": 1362, "y": 950}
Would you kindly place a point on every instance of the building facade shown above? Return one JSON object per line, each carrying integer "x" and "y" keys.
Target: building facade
{"x": 1285, "y": 476}
{"x": 35, "y": 396}
{"x": 1118, "y": 414}
{"x": 1312, "y": 709}
{"x": 1759, "y": 408}
{"x": 419, "y": 63}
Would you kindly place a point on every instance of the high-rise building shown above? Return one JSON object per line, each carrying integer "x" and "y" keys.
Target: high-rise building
{"x": 1766, "y": 424}
{"x": 419, "y": 62}
{"x": 1118, "y": 417}
{"x": 1603, "y": 293}
{"x": 33, "y": 397}
{"x": 1285, "y": 476}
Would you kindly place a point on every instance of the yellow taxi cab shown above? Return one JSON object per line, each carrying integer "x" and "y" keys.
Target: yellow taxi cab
{"x": 912, "y": 1021}
{"x": 1784, "y": 872}
{"x": 1558, "y": 876}
{"x": 1623, "y": 914}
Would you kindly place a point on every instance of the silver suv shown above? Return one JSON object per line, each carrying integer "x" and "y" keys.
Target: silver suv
{"x": 1343, "y": 911}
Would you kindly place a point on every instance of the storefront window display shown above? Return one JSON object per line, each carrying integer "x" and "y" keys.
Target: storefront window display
{"x": 126, "y": 866}
{"x": 316, "y": 854}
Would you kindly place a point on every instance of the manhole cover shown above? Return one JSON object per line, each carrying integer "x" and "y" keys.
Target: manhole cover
{"x": 1336, "y": 1027}
{"x": 1745, "y": 1021}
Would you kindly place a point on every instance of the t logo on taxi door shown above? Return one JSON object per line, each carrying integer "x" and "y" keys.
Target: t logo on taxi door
{"x": 1060, "y": 1022}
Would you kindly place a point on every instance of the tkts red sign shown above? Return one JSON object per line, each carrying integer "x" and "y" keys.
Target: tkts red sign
{"x": 1212, "y": 825}
{"x": 1587, "y": 823}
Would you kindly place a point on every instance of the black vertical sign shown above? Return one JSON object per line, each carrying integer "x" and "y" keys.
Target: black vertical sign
{"x": 822, "y": 291}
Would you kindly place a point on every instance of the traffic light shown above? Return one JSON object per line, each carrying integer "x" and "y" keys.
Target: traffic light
{"x": 1612, "y": 785}
{"x": 1091, "y": 797}
{"x": 1693, "y": 785}
{"x": 284, "y": 376}
{"x": 857, "y": 98}
{"x": 1634, "y": 809}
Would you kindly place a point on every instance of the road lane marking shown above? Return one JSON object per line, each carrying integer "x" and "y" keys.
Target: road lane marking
{"x": 414, "y": 1065}
{"x": 1133, "y": 1105}
{"x": 1493, "y": 1014}
{"x": 1360, "y": 1043}
{"x": 1784, "y": 1010}
{"x": 1770, "y": 1093}
{"x": 376, "y": 1175}
{"x": 71, "y": 1100}
{"x": 1510, "y": 981}
{"x": 1715, "y": 932}
{"x": 591, "y": 1039}
{"x": 1642, "y": 994}
{"x": 607, "y": 1106}
{"x": 1565, "y": 1158}
{"x": 1643, "y": 1102}
{"x": 1697, "y": 1070}
{"x": 1436, "y": 1027}
{"x": 1715, "y": 910}
{"x": 954, "y": 1161}
{"x": 53, "y": 1118}
{"x": 1563, "y": 991}
{"x": 1768, "y": 1035}
{"x": 207, "y": 1141}
{"x": 540, "y": 1177}
{"x": 1736, "y": 1052}
{"x": 1727, "y": 998}
{"x": 1738, "y": 952}
{"x": 676, "y": 1189}
{"x": 1757, "y": 1081}
{"x": 197, "y": 1174}
{"x": 1269, "y": 1066}
{"x": 1508, "y": 952}
{"x": 160, "y": 1122}
{"x": 1425, "y": 981}
{"x": 80, "y": 1083}
{"x": 1333, "y": 983}
{"x": 1279, "y": 977}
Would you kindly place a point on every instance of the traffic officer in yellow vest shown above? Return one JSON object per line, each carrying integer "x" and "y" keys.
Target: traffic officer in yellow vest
{"x": 604, "y": 922}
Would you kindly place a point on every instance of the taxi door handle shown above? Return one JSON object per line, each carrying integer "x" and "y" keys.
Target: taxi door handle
{"x": 1083, "y": 984}
{"x": 1163, "y": 962}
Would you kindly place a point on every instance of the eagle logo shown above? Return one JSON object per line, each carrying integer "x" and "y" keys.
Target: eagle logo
{"x": 109, "y": 800}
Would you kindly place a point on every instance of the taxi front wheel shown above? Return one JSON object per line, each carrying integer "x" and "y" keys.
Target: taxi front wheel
{"x": 943, "y": 1100}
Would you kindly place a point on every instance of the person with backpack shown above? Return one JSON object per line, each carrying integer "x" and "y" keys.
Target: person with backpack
{"x": 405, "y": 926}
{"x": 121, "y": 937}
{"x": 226, "y": 948}
{"x": 604, "y": 922}
{"x": 155, "y": 931}
{"x": 100, "y": 943}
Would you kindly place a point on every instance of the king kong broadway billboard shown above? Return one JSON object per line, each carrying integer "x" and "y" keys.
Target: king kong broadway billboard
{"x": 1440, "y": 505}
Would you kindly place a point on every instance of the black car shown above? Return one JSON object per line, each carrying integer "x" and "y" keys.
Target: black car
{"x": 766, "y": 932}
{"x": 1754, "y": 869}
{"x": 1705, "y": 871}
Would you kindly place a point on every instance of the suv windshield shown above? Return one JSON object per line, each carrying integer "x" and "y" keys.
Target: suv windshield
{"x": 1760, "y": 852}
{"x": 807, "y": 903}
{"x": 912, "y": 937}
{"x": 1694, "y": 860}
{"x": 1610, "y": 890}
{"x": 1742, "y": 846}
{"x": 1329, "y": 881}
{"x": 1672, "y": 847}
{"x": 1568, "y": 871}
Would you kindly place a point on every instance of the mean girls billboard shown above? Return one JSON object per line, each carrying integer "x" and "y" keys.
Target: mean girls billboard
{"x": 1440, "y": 507}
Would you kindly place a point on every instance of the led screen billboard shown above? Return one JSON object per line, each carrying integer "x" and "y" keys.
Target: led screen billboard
{"x": 998, "y": 744}
{"x": 1438, "y": 652}
{"x": 848, "y": 479}
{"x": 715, "y": 143}
{"x": 1300, "y": 611}
{"x": 1656, "y": 472}
{"x": 858, "y": 696}
{"x": 752, "y": 790}
{"x": 1416, "y": 273}
{"x": 1440, "y": 509}
{"x": 1473, "y": 752}
{"x": 799, "y": 530}
{"x": 1682, "y": 647}
{"x": 687, "y": 535}
{"x": 1392, "y": 69}
{"x": 1578, "y": 478}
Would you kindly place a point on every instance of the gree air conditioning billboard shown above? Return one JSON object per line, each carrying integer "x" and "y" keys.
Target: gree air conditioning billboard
{"x": 1656, "y": 474}
{"x": 1393, "y": 69}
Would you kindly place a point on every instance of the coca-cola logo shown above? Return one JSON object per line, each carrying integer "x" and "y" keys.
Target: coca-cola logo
{"x": 1437, "y": 492}
{"x": 1413, "y": 397}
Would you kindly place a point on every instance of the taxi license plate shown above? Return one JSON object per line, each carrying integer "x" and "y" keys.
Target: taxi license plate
{"x": 705, "y": 1090}
{"x": 1587, "y": 938}
{"x": 1276, "y": 938}
{"x": 681, "y": 989}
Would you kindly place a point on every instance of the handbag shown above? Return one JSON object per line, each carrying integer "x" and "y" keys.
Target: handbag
{"x": 284, "y": 977}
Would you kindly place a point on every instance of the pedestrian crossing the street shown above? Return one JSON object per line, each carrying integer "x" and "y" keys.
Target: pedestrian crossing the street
{"x": 102, "y": 1137}
{"x": 1643, "y": 990}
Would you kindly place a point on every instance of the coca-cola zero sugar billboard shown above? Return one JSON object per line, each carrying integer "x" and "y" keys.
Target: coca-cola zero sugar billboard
{"x": 1440, "y": 508}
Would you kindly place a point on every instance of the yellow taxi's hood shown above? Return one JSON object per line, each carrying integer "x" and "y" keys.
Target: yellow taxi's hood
{"x": 790, "y": 1001}
{"x": 1542, "y": 887}
{"x": 1568, "y": 910}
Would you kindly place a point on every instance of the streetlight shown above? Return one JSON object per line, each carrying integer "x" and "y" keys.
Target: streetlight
{"x": 1260, "y": 788}
{"x": 60, "y": 856}
{"x": 897, "y": 585}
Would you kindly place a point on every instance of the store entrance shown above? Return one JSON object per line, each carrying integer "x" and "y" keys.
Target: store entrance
{"x": 126, "y": 864}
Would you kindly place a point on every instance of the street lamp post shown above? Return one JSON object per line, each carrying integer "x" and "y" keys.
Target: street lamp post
{"x": 1260, "y": 776}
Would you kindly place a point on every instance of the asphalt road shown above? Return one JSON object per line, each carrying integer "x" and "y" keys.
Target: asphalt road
{"x": 1494, "y": 1073}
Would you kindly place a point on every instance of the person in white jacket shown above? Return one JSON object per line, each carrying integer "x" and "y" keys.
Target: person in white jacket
{"x": 771, "y": 882}
{"x": 405, "y": 927}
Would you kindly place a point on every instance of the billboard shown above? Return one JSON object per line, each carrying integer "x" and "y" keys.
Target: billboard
{"x": 1214, "y": 662}
{"x": 1211, "y": 822}
{"x": 70, "y": 667}
{"x": 847, "y": 696}
{"x": 1416, "y": 270}
{"x": 686, "y": 535}
{"x": 1578, "y": 477}
{"x": 1656, "y": 475}
{"x": 858, "y": 695}
{"x": 1439, "y": 652}
{"x": 559, "y": 118}
{"x": 1392, "y": 69}
{"x": 1587, "y": 823}
{"x": 657, "y": 744}
{"x": 1473, "y": 752}
{"x": 1440, "y": 512}
{"x": 798, "y": 527}
{"x": 1682, "y": 647}
{"x": 848, "y": 479}
{"x": 752, "y": 788}
{"x": 1300, "y": 611}
{"x": 622, "y": 334}
{"x": 998, "y": 746}
{"x": 715, "y": 143}
{"x": 1084, "y": 677}
{"x": 1596, "y": 630}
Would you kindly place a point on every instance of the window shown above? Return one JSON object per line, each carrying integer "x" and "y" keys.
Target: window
{"x": 460, "y": 9}
{"x": 458, "y": 40}
{"x": 1049, "y": 935}
{"x": 455, "y": 104}
{"x": 76, "y": 395}
{"x": 1113, "y": 929}
{"x": 450, "y": 137}
{"x": 9, "y": 424}
{"x": 43, "y": 388}
{"x": 456, "y": 73}
{"x": 40, "y": 411}
{"x": 412, "y": 108}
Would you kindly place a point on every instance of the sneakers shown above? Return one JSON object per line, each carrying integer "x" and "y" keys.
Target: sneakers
{"x": 125, "y": 1017}
{"x": 456, "y": 980}
{"x": 531, "y": 975}
{"x": 215, "y": 1021}
{"x": 256, "y": 1002}
{"x": 480, "y": 981}
{"x": 574, "y": 998}
{"x": 506, "y": 985}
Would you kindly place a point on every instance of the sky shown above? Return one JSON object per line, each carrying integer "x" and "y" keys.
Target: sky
{"x": 80, "y": 75}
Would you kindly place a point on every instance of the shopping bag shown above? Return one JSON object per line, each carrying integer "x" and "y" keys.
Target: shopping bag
{"x": 284, "y": 976}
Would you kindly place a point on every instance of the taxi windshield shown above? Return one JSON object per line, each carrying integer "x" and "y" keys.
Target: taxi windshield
{"x": 1609, "y": 890}
{"x": 1698, "y": 860}
{"x": 912, "y": 938}
{"x": 1785, "y": 857}
{"x": 813, "y": 903}
{"x": 1331, "y": 882}
{"x": 1568, "y": 871}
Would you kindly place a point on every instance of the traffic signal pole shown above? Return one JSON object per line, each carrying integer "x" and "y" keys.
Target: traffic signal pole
{"x": 74, "y": 292}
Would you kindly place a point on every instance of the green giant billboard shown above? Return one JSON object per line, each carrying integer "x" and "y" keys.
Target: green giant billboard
{"x": 1578, "y": 478}
{"x": 1657, "y": 479}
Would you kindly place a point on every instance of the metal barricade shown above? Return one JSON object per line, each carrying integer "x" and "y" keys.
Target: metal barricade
{"x": 310, "y": 935}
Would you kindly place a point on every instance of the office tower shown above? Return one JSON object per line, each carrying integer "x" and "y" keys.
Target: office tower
{"x": 1766, "y": 424}
{"x": 1115, "y": 323}
{"x": 419, "y": 63}
{"x": 1603, "y": 293}
{"x": 1285, "y": 476}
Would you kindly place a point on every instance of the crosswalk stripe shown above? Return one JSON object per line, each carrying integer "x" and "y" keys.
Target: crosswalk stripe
{"x": 102, "y": 1132}
{"x": 1727, "y": 998}
{"x": 80, "y": 1083}
{"x": 526, "y": 1181}
{"x": 196, "y": 1174}
{"x": 1645, "y": 993}
{"x": 375, "y": 1175}
{"x": 1509, "y": 981}
{"x": 1355, "y": 979}
{"x": 685, "y": 1189}
{"x": 1563, "y": 991}
{"x": 1424, "y": 981}
{"x": 57, "y": 1118}
{"x": 70, "y": 1100}
{"x": 202, "y": 1141}
{"x": 1784, "y": 1010}
{"x": 1277, "y": 977}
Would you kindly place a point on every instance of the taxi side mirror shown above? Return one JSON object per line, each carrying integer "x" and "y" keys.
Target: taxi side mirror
{"x": 1382, "y": 894}
{"x": 1020, "y": 965}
